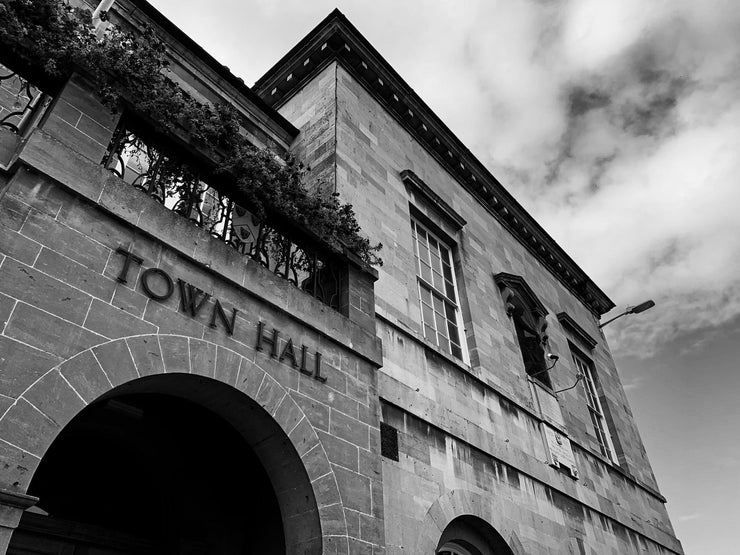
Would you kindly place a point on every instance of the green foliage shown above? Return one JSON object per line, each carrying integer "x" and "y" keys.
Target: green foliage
{"x": 55, "y": 39}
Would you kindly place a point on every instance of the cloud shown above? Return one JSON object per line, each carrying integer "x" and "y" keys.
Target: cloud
{"x": 616, "y": 124}
{"x": 621, "y": 124}
{"x": 691, "y": 516}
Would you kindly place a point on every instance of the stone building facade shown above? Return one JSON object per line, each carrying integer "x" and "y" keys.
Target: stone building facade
{"x": 162, "y": 392}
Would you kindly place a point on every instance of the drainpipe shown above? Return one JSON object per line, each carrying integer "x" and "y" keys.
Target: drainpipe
{"x": 100, "y": 25}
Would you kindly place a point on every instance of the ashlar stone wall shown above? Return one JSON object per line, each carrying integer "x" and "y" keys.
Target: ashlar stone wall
{"x": 480, "y": 414}
{"x": 101, "y": 286}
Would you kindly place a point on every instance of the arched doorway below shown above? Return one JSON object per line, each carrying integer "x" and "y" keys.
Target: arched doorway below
{"x": 149, "y": 473}
{"x": 471, "y": 535}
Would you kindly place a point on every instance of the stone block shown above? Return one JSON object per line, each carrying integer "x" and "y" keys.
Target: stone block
{"x": 316, "y": 412}
{"x": 116, "y": 361}
{"x": 359, "y": 547}
{"x": 74, "y": 139}
{"x": 91, "y": 221}
{"x": 95, "y": 131}
{"x": 202, "y": 358}
{"x": 21, "y": 365}
{"x": 170, "y": 321}
{"x": 123, "y": 200}
{"x": 37, "y": 191}
{"x": 339, "y": 452}
{"x": 114, "y": 323}
{"x": 54, "y": 397}
{"x": 6, "y": 308}
{"x": 325, "y": 488}
{"x": 129, "y": 300}
{"x": 49, "y": 333}
{"x": 317, "y": 464}
{"x": 65, "y": 240}
{"x": 25, "y": 427}
{"x": 353, "y": 523}
{"x": 303, "y": 437}
{"x": 146, "y": 354}
{"x": 17, "y": 466}
{"x": 250, "y": 379}
{"x": 78, "y": 93}
{"x": 269, "y": 395}
{"x": 175, "y": 353}
{"x": 335, "y": 545}
{"x": 349, "y": 429}
{"x": 332, "y": 520}
{"x": 84, "y": 373}
{"x": 14, "y": 212}
{"x": 17, "y": 246}
{"x": 354, "y": 489}
{"x": 66, "y": 112}
{"x": 74, "y": 274}
{"x": 326, "y": 394}
{"x": 288, "y": 414}
{"x": 64, "y": 164}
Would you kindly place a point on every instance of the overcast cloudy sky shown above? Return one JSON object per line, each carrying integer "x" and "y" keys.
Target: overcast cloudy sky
{"x": 617, "y": 125}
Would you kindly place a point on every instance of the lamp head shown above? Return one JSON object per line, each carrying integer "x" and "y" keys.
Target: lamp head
{"x": 642, "y": 307}
{"x": 553, "y": 357}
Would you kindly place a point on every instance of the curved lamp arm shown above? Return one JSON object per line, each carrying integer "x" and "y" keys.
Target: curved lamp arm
{"x": 642, "y": 307}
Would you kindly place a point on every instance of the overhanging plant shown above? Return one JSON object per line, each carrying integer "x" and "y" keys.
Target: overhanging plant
{"x": 51, "y": 39}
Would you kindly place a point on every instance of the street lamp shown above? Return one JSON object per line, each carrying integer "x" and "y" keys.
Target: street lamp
{"x": 642, "y": 307}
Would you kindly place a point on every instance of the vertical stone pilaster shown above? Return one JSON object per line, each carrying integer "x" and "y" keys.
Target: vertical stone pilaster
{"x": 12, "y": 505}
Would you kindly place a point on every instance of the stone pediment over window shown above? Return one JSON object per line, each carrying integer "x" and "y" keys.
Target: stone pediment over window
{"x": 516, "y": 285}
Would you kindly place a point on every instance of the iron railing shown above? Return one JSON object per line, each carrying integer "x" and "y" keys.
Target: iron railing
{"x": 180, "y": 187}
{"x": 19, "y": 100}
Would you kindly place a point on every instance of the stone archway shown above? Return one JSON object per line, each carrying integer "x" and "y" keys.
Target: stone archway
{"x": 218, "y": 379}
{"x": 459, "y": 507}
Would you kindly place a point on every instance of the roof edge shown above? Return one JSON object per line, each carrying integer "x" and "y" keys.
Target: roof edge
{"x": 221, "y": 70}
{"x": 336, "y": 39}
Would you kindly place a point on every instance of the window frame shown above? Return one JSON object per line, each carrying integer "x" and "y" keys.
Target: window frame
{"x": 528, "y": 318}
{"x": 426, "y": 288}
{"x": 593, "y": 393}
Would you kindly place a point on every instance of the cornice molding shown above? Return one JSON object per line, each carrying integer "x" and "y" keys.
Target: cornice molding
{"x": 336, "y": 39}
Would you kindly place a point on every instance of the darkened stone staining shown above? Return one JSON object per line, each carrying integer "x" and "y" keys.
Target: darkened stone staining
{"x": 513, "y": 477}
{"x": 509, "y": 408}
{"x": 567, "y": 505}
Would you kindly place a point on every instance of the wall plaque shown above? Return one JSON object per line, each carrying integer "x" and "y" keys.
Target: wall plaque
{"x": 559, "y": 450}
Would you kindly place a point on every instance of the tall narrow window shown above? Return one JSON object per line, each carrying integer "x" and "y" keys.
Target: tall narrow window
{"x": 440, "y": 314}
{"x": 528, "y": 316}
{"x": 585, "y": 367}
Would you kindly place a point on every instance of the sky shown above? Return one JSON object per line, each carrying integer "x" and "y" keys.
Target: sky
{"x": 617, "y": 125}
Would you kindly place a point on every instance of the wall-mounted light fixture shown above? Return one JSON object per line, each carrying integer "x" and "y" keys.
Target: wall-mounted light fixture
{"x": 549, "y": 356}
{"x": 642, "y": 307}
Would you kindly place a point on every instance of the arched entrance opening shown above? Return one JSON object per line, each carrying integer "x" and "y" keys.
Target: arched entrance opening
{"x": 470, "y": 535}
{"x": 171, "y": 464}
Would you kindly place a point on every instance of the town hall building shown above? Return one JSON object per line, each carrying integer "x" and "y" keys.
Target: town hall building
{"x": 179, "y": 375}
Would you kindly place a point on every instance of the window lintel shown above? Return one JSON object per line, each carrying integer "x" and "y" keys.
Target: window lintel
{"x": 574, "y": 328}
{"x": 433, "y": 199}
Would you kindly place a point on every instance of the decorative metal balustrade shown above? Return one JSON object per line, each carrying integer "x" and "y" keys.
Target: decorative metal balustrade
{"x": 180, "y": 187}
{"x": 19, "y": 100}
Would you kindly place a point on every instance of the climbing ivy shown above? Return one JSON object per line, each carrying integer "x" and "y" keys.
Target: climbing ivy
{"x": 53, "y": 39}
